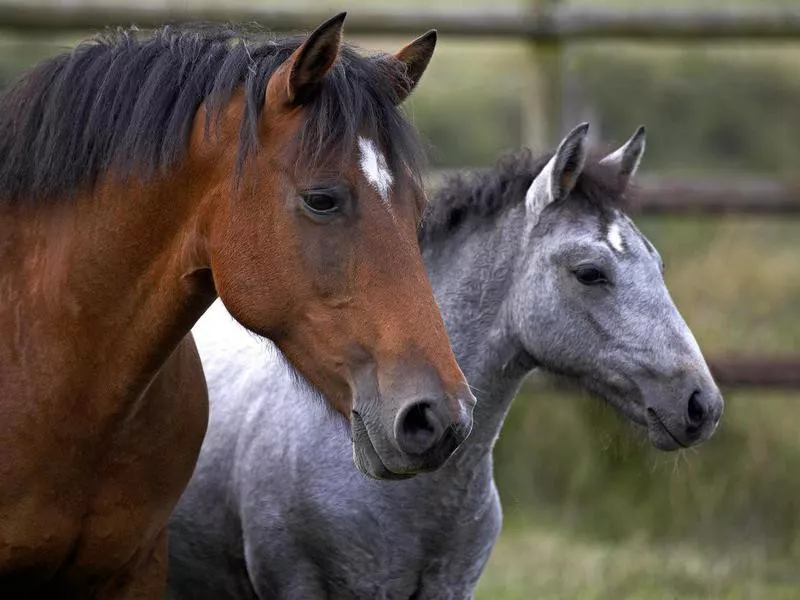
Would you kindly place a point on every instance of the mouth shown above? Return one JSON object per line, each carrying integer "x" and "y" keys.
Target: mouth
{"x": 366, "y": 457}
{"x": 628, "y": 402}
{"x": 660, "y": 435}
{"x": 631, "y": 404}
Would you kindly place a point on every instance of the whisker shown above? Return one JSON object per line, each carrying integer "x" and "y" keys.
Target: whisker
{"x": 475, "y": 388}
{"x": 685, "y": 458}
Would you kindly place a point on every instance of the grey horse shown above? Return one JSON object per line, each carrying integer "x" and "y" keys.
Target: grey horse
{"x": 534, "y": 265}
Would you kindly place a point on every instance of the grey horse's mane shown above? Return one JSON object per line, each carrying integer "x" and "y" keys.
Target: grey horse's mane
{"x": 479, "y": 195}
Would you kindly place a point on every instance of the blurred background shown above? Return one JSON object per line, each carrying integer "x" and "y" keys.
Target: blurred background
{"x": 590, "y": 510}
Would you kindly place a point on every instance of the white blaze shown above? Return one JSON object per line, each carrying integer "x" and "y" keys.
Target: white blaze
{"x": 615, "y": 237}
{"x": 373, "y": 164}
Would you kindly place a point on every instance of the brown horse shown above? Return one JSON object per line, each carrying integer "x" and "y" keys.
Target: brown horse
{"x": 141, "y": 178}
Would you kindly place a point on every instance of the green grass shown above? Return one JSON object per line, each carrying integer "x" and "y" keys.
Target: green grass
{"x": 546, "y": 564}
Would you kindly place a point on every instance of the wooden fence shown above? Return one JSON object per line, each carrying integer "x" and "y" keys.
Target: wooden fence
{"x": 548, "y": 26}
{"x": 546, "y": 21}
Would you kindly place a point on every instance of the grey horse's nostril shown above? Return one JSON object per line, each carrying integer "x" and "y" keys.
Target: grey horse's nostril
{"x": 419, "y": 428}
{"x": 696, "y": 411}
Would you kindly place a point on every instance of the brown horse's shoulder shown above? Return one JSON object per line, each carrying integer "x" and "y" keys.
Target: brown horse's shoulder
{"x": 112, "y": 503}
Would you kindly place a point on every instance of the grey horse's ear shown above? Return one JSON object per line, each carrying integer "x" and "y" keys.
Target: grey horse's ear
{"x": 628, "y": 156}
{"x": 556, "y": 180}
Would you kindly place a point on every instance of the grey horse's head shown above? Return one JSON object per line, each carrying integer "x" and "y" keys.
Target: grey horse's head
{"x": 592, "y": 303}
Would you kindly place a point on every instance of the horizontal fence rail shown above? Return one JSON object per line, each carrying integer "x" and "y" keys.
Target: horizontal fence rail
{"x": 756, "y": 372}
{"x": 732, "y": 195}
{"x": 735, "y": 372}
{"x": 563, "y": 22}
{"x": 702, "y": 197}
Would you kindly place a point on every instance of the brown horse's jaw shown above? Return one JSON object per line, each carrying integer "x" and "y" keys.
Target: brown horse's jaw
{"x": 365, "y": 456}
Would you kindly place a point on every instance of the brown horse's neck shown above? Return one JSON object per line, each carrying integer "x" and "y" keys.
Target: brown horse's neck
{"x": 114, "y": 280}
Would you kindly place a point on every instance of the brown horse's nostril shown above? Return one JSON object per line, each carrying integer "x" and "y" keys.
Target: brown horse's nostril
{"x": 418, "y": 428}
{"x": 696, "y": 413}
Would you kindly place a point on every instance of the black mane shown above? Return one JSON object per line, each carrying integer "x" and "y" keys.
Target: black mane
{"x": 478, "y": 195}
{"x": 127, "y": 103}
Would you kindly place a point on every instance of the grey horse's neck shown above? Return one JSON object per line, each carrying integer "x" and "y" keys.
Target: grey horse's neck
{"x": 472, "y": 272}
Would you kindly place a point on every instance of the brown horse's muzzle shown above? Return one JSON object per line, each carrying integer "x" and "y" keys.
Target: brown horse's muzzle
{"x": 411, "y": 428}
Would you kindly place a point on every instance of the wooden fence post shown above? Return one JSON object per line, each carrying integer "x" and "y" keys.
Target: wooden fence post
{"x": 542, "y": 95}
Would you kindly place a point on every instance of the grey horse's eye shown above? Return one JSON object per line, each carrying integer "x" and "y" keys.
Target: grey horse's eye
{"x": 589, "y": 275}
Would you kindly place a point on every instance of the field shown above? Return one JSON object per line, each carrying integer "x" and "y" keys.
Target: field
{"x": 591, "y": 511}
{"x": 533, "y": 562}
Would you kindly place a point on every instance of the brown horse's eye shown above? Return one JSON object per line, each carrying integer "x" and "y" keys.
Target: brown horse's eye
{"x": 320, "y": 204}
{"x": 589, "y": 275}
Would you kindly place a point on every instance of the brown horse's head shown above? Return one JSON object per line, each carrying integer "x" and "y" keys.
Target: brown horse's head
{"x": 315, "y": 246}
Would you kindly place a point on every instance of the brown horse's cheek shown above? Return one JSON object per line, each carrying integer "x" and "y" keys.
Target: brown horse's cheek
{"x": 326, "y": 258}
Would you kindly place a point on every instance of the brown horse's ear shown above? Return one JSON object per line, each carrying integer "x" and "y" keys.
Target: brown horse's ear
{"x": 298, "y": 79}
{"x": 415, "y": 58}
